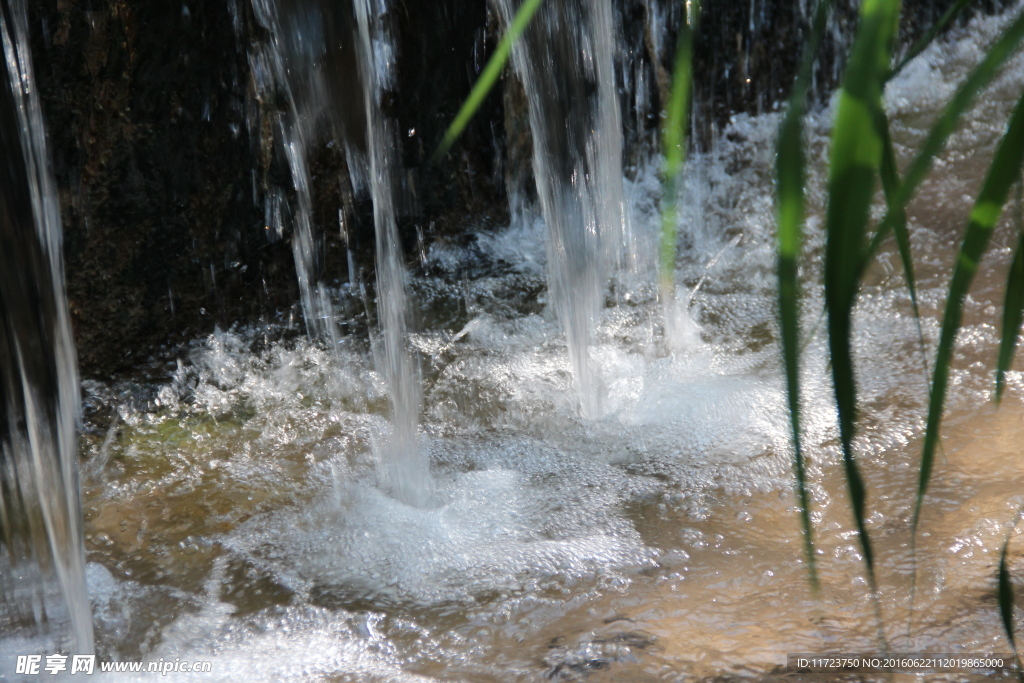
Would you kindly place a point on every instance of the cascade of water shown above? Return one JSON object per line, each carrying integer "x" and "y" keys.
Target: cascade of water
{"x": 407, "y": 470}
{"x": 292, "y": 65}
{"x": 43, "y": 598}
{"x": 565, "y": 62}
{"x": 314, "y": 51}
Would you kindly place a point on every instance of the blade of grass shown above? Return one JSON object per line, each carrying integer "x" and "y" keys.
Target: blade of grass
{"x": 982, "y": 75}
{"x": 1004, "y": 596}
{"x": 856, "y": 156}
{"x": 898, "y": 221}
{"x": 928, "y": 37}
{"x": 488, "y": 77}
{"x": 1013, "y": 305}
{"x": 1004, "y": 171}
{"x": 895, "y": 218}
{"x": 674, "y": 140}
{"x": 898, "y": 213}
{"x": 962, "y": 100}
{"x": 789, "y": 168}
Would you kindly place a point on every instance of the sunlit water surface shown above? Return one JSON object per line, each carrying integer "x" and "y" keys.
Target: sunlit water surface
{"x": 233, "y": 512}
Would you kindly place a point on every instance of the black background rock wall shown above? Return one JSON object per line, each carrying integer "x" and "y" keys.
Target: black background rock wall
{"x": 161, "y": 179}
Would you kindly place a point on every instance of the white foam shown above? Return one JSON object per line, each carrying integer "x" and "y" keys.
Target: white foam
{"x": 298, "y": 644}
{"x": 494, "y": 530}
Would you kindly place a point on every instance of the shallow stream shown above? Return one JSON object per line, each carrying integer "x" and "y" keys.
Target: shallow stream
{"x": 233, "y": 511}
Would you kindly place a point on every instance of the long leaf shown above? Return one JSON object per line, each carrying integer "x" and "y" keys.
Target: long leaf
{"x": 1004, "y": 597}
{"x": 898, "y": 213}
{"x": 790, "y": 173}
{"x": 488, "y": 77}
{"x": 1013, "y": 305}
{"x": 855, "y": 158}
{"x": 928, "y": 37}
{"x": 674, "y": 140}
{"x": 962, "y": 100}
{"x": 1004, "y": 171}
{"x": 898, "y": 221}
{"x": 982, "y": 75}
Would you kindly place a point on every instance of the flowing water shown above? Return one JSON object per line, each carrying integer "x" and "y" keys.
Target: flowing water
{"x": 234, "y": 511}
{"x": 565, "y": 62}
{"x": 407, "y": 474}
{"x": 290, "y": 66}
{"x": 43, "y": 600}
{"x": 310, "y": 47}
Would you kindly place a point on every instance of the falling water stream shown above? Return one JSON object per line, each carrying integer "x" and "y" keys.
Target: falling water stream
{"x": 43, "y": 600}
{"x": 408, "y": 474}
{"x": 559, "y": 492}
{"x": 292, "y": 63}
{"x": 300, "y": 61}
{"x": 565, "y": 62}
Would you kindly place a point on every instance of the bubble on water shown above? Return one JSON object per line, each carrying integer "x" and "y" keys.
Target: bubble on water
{"x": 494, "y": 530}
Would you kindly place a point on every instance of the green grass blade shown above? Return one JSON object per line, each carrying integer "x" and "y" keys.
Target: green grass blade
{"x": 855, "y": 158}
{"x": 674, "y": 140}
{"x": 980, "y": 77}
{"x": 896, "y": 220}
{"x": 1004, "y": 171}
{"x": 789, "y": 167}
{"x": 488, "y": 77}
{"x": 897, "y": 214}
{"x": 1004, "y": 596}
{"x": 1013, "y": 305}
{"x": 928, "y": 37}
{"x": 962, "y": 100}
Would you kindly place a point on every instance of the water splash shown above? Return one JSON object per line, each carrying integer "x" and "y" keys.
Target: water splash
{"x": 668, "y": 519}
{"x": 44, "y": 602}
{"x": 565, "y": 62}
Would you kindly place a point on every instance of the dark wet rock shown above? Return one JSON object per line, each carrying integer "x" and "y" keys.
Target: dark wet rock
{"x": 163, "y": 155}
{"x": 443, "y": 45}
{"x": 144, "y": 104}
{"x": 575, "y": 658}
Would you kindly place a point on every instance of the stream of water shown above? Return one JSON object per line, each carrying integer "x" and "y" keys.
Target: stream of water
{"x": 407, "y": 474}
{"x": 43, "y": 600}
{"x": 565, "y": 62}
{"x": 587, "y": 500}
{"x": 300, "y": 62}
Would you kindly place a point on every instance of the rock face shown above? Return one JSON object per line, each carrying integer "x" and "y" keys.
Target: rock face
{"x": 162, "y": 154}
{"x": 144, "y": 108}
{"x": 161, "y": 180}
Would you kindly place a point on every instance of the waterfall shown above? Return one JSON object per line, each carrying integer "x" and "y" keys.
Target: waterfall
{"x": 292, "y": 64}
{"x": 314, "y": 51}
{"x": 565, "y": 62}
{"x": 44, "y": 606}
{"x": 407, "y": 470}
